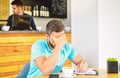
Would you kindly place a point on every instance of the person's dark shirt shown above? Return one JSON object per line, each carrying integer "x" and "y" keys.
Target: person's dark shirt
{"x": 32, "y": 24}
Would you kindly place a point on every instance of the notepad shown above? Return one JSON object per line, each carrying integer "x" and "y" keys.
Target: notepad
{"x": 88, "y": 72}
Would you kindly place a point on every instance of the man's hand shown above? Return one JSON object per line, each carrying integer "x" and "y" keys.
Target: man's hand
{"x": 82, "y": 66}
{"x": 60, "y": 41}
{"x": 80, "y": 62}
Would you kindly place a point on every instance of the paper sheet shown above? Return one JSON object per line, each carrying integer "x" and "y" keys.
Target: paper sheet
{"x": 88, "y": 72}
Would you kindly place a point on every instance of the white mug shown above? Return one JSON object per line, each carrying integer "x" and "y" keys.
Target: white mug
{"x": 68, "y": 71}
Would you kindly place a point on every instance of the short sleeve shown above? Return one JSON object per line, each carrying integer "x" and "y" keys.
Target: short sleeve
{"x": 72, "y": 53}
{"x": 37, "y": 50}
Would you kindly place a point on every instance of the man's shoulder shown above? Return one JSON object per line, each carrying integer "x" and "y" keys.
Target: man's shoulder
{"x": 40, "y": 42}
{"x": 26, "y": 14}
{"x": 10, "y": 16}
{"x": 67, "y": 46}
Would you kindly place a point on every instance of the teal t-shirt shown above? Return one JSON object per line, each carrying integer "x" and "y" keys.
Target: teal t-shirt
{"x": 41, "y": 48}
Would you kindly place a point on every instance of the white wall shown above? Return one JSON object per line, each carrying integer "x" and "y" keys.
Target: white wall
{"x": 96, "y": 29}
{"x": 109, "y": 30}
{"x": 84, "y": 24}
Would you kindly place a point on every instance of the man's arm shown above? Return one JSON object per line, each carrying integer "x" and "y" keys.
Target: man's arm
{"x": 47, "y": 65}
{"x": 80, "y": 63}
{"x": 9, "y": 21}
{"x": 32, "y": 23}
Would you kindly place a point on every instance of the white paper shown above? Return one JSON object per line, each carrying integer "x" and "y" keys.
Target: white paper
{"x": 89, "y": 71}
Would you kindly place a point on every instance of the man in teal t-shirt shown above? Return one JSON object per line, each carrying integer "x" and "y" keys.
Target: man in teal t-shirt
{"x": 49, "y": 55}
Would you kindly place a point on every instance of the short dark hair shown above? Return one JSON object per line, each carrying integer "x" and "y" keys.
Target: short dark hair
{"x": 54, "y": 25}
{"x": 17, "y": 2}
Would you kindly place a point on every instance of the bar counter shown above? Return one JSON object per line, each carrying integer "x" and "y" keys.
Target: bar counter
{"x": 20, "y": 32}
{"x": 15, "y": 50}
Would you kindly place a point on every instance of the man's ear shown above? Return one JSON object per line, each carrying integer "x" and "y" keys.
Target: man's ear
{"x": 47, "y": 36}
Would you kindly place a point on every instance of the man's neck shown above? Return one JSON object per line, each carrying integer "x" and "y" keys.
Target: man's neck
{"x": 20, "y": 13}
{"x": 49, "y": 45}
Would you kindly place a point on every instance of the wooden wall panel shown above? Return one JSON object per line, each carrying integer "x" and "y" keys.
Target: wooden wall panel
{"x": 4, "y": 9}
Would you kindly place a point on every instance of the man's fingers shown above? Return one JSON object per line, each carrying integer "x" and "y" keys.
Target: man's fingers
{"x": 82, "y": 67}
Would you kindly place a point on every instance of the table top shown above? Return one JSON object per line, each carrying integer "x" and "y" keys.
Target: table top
{"x": 101, "y": 74}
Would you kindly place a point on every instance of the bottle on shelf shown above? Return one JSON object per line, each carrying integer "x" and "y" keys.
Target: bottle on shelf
{"x": 47, "y": 12}
{"x": 42, "y": 11}
{"x": 25, "y": 9}
{"x": 29, "y": 10}
{"x": 34, "y": 13}
{"x": 37, "y": 11}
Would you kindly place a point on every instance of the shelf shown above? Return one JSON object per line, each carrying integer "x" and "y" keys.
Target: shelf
{"x": 46, "y": 8}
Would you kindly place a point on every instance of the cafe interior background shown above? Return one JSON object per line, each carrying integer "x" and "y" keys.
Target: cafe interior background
{"x": 94, "y": 27}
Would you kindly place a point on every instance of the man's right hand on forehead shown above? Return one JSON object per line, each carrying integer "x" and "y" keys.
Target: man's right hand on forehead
{"x": 60, "y": 41}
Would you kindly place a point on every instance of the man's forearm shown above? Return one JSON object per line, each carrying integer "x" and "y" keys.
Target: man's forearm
{"x": 50, "y": 63}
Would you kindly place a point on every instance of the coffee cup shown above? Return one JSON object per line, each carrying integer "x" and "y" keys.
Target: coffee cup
{"x": 68, "y": 71}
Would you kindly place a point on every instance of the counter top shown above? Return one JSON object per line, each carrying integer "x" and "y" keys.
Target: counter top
{"x": 21, "y": 32}
{"x": 25, "y": 32}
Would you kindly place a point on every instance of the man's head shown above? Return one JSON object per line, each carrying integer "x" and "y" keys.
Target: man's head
{"x": 17, "y": 6}
{"x": 54, "y": 26}
{"x": 54, "y": 29}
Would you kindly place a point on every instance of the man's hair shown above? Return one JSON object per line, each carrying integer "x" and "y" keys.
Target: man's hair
{"x": 54, "y": 26}
{"x": 17, "y": 2}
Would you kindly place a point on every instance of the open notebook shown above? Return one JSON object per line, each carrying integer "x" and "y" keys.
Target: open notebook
{"x": 90, "y": 71}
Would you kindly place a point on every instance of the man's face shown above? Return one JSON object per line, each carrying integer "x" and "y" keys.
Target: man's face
{"x": 16, "y": 9}
{"x": 55, "y": 35}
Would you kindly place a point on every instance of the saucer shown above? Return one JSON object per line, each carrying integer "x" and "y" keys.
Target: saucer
{"x": 66, "y": 76}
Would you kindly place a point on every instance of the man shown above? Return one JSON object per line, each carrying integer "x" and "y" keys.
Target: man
{"x": 49, "y": 55}
{"x": 17, "y": 6}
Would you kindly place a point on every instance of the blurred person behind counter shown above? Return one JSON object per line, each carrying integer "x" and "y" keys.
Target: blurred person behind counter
{"x": 17, "y": 6}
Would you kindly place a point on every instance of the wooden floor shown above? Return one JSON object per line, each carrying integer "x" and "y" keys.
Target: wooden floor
{"x": 15, "y": 51}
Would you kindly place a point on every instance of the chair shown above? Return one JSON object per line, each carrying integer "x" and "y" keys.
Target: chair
{"x": 23, "y": 73}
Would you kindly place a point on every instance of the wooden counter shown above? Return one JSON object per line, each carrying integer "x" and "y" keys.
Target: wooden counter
{"x": 15, "y": 50}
